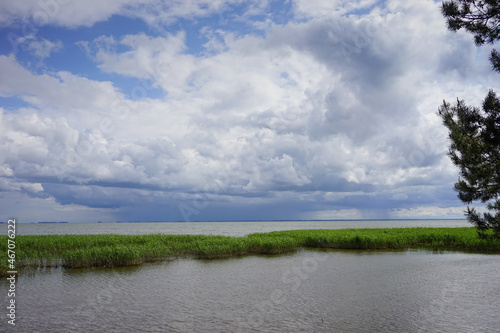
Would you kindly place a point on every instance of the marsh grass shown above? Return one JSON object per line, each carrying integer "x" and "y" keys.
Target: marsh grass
{"x": 85, "y": 251}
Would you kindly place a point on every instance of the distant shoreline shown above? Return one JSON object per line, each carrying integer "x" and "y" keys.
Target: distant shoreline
{"x": 236, "y": 221}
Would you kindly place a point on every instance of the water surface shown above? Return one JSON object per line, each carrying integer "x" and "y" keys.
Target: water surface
{"x": 217, "y": 228}
{"x": 309, "y": 291}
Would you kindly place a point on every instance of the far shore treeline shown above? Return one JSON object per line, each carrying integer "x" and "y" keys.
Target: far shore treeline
{"x": 89, "y": 251}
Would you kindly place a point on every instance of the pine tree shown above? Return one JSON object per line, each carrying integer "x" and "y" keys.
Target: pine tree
{"x": 475, "y": 133}
{"x": 475, "y": 150}
{"x": 480, "y": 18}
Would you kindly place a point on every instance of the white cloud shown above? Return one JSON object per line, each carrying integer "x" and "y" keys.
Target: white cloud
{"x": 429, "y": 212}
{"x": 43, "y": 47}
{"x": 35, "y": 13}
{"x": 30, "y": 15}
{"x": 318, "y": 117}
{"x": 39, "y": 47}
{"x": 321, "y": 8}
{"x": 32, "y": 209}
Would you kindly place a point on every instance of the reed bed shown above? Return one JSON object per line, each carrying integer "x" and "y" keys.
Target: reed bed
{"x": 86, "y": 251}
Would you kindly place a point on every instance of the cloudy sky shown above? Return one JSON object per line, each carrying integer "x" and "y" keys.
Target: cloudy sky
{"x": 196, "y": 110}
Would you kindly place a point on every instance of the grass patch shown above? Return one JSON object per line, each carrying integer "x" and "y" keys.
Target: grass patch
{"x": 77, "y": 251}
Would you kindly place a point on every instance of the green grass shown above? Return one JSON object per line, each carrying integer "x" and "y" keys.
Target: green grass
{"x": 85, "y": 251}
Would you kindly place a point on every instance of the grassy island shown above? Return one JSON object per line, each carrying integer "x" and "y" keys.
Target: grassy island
{"x": 80, "y": 251}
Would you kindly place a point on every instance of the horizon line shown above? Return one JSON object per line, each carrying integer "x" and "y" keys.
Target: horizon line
{"x": 229, "y": 221}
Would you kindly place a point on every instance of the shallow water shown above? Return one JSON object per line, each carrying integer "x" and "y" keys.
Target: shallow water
{"x": 309, "y": 291}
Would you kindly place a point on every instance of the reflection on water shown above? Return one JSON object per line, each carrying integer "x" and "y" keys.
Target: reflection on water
{"x": 310, "y": 291}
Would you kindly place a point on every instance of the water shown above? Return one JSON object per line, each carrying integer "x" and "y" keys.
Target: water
{"x": 217, "y": 228}
{"x": 309, "y": 291}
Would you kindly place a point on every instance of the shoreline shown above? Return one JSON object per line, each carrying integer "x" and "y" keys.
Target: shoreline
{"x": 113, "y": 250}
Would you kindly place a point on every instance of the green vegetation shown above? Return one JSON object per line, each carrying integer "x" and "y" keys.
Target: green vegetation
{"x": 475, "y": 133}
{"x": 85, "y": 251}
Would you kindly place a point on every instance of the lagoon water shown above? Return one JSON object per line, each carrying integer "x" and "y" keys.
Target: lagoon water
{"x": 217, "y": 228}
{"x": 307, "y": 291}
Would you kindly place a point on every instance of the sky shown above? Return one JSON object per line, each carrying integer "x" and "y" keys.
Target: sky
{"x": 216, "y": 110}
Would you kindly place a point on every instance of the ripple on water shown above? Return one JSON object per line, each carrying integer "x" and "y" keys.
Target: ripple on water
{"x": 306, "y": 291}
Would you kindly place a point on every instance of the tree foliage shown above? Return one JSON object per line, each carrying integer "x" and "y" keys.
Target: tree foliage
{"x": 480, "y": 18}
{"x": 475, "y": 150}
{"x": 475, "y": 133}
